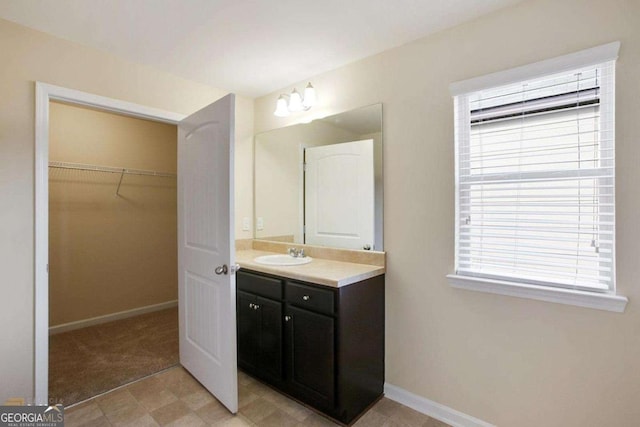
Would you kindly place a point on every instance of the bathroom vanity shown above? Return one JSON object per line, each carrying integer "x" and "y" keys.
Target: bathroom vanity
{"x": 322, "y": 344}
{"x": 315, "y": 331}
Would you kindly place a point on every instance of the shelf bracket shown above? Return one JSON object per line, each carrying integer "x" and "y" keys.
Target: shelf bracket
{"x": 120, "y": 182}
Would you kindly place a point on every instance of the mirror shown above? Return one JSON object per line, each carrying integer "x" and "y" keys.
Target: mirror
{"x": 320, "y": 183}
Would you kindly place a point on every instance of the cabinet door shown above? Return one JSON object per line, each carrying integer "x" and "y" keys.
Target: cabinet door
{"x": 310, "y": 352}
{"x": 270, "y": 344}
{"x": 247, "y": 331}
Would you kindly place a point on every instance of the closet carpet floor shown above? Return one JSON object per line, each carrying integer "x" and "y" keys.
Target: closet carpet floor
{"x": 89, "y": 361}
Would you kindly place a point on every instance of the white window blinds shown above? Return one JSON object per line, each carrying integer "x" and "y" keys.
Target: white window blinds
{"x": 535, "y": 180}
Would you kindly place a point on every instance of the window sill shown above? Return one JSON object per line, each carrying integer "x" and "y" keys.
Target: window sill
{"x": 606, "y": 302}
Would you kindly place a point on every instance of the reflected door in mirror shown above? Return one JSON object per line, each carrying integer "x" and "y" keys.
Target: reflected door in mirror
{"x": 339, "y": 195}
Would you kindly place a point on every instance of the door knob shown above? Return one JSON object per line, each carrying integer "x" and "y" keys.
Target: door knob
{"x": 223, "y": 269}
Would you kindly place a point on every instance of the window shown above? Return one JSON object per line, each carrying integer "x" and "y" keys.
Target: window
{"x": 535, "y": 165}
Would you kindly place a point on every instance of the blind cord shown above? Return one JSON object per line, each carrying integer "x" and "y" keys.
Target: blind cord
{"x": 579, "y": 181}
{"x": 596, "y": 152}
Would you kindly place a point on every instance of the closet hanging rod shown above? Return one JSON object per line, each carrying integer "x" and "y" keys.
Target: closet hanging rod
{"x": 87, "y": 167}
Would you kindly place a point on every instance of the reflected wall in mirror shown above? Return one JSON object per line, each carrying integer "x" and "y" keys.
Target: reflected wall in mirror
{"x": 320, "y": 183}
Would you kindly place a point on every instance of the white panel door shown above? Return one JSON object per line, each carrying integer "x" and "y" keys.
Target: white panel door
{"x": 339, "y": 195}
{"x": 206, "y": 249}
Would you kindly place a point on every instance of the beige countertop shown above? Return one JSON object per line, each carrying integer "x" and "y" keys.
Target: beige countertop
{"x": 321, "y": 271}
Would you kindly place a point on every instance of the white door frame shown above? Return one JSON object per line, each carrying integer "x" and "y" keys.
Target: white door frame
{"x": 45, "y": 93}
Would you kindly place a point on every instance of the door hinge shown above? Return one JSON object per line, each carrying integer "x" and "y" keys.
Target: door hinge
{"x": 47, "y": 268}
{"x": 304, "y": 167}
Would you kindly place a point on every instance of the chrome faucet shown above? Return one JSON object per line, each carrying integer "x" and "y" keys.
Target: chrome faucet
{"x": 296, "y": 253}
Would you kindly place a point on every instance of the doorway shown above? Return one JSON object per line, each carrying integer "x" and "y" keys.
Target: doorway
{"x": 113, "y": 284}
{"x": 46, "y": 93}
{"x": 207, "y": 317}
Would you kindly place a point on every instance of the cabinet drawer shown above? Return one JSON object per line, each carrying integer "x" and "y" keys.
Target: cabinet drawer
{"x": 259, "y": 285}
{"x": 310, "y": 297}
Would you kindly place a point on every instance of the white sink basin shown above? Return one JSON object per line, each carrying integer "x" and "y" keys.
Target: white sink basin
{"x": 282, "y": 260}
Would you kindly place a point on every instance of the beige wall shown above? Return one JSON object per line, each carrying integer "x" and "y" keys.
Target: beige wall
{"x": 505, "y": 360}
{"x": 29, "y": 56}
{"x": 110, "y": 253}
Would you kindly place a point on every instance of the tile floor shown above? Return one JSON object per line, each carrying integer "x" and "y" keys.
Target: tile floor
{"x": 174, "y": 398}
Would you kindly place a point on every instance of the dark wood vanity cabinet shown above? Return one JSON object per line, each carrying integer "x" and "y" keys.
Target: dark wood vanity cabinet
{"x": 260, "y": 335}
{"x": 310, "y": 350}
{"x": 323, "y": 346}
{"x": 259, "y": 309}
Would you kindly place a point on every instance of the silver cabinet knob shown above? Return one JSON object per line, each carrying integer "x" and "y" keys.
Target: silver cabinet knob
{"x": 306, "y": 297}
{"x": 287, "y": 318}
{"x": 256, "y": 306}
{"x": 252, "y": 305}
{"x": 223, "y": 269}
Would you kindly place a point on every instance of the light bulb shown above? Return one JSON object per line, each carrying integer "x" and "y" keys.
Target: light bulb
{"x": 295, "y": 101}
{"x": 309, "y": 96}
{"x": 281, "y": 107}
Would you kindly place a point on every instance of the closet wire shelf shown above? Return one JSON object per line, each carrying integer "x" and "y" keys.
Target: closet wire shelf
{"x": 110, "y": 169}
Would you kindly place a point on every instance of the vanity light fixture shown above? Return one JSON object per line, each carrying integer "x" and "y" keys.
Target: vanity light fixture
{"x": 296, "y": 102}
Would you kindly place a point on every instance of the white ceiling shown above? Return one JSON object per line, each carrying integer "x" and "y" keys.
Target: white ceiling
{"x": 251, "y": 47}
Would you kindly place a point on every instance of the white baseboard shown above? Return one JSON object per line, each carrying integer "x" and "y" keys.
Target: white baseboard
{"x": 431, "y": 408}
{"x": 110, "y": 317}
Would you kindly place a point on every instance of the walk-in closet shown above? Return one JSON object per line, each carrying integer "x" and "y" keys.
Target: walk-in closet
{"x": 113, "y": 284}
